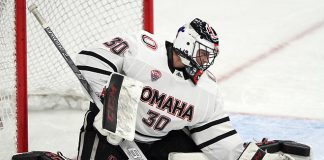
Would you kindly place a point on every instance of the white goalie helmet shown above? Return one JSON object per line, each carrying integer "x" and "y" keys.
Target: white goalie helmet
{"x": 197, "y": 44}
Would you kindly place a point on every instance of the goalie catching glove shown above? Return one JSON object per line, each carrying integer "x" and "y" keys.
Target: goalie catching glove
{"x": 120, "y": 96}
{"x": 253, "y": 152}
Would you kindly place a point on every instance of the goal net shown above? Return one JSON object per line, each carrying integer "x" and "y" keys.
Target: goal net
{"x": 51, "y": 83}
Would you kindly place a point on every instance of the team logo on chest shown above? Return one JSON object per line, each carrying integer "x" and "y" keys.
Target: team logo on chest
{"x": 155, "y": 75}
{"x": 167, "y": 103}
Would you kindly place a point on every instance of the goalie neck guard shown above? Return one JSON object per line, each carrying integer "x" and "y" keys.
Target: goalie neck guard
{"x": 197, "y": 45}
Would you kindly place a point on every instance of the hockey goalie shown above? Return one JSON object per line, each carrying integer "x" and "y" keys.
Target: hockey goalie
{"x": 180, "y": 113}
{"x": 180, "y": 109}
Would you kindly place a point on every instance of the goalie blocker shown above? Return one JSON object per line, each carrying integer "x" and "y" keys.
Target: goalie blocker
{"x": 120, "y": 96}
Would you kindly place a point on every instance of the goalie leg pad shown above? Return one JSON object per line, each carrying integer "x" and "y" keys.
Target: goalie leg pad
{"x": 38, "y": 155}
{"x": 92, "y": 145}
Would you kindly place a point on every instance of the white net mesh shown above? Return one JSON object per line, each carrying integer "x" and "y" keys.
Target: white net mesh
{"x": 51, "y": 83}
{"x": 76, "y": 28}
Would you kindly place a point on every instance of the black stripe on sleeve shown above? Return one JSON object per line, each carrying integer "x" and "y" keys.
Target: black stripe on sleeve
{"x": 216, "y": 139}
{"x": 92, "y": 69}
{"x": 93, "y": 54}
{"x": 206, "y": 126}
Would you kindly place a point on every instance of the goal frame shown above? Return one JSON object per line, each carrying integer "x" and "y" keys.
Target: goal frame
{"x": 21, "y": 66}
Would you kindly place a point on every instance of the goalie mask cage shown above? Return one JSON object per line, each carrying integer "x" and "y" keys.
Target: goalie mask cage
{"x": 25, "y": 48}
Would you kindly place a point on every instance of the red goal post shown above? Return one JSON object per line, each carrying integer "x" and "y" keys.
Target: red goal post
{"x": 32, "y": 72}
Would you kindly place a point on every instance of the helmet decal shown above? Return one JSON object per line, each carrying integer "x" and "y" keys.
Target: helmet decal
{"x": 204, "y": 30}
{"x": 212, "y": 34}
{"x": 181, "y": 29}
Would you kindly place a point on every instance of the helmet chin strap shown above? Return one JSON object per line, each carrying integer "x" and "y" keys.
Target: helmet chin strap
{"x": 194, "y": 73}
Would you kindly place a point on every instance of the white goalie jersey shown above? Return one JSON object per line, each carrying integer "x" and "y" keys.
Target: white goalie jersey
{"x": 169, "y": 100}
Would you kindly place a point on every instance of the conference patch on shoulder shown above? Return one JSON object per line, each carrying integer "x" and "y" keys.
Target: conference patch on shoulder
{"x": 149, "y": 42}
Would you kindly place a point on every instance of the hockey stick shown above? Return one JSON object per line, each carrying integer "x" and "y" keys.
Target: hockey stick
{"x": 130, "y": 148}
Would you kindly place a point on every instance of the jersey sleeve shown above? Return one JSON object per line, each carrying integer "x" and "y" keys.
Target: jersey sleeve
{"x": 98, "y": 62}
{"x": 216, "y": 137}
